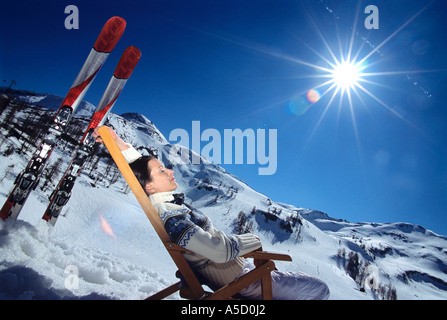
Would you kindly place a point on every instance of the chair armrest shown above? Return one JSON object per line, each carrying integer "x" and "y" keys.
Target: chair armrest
{"x": 264, "y": 255}
{"x": 257, "y": 254}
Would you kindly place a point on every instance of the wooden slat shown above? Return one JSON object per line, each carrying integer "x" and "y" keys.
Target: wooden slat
{"x": 264, "y": 255}
{"x": 242, "y": 282}
{"x": 149, "y": 210}
{"x": 166, "y": 292}
{"x": 133, "y": 183}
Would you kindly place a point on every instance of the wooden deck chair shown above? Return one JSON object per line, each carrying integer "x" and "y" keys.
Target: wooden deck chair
{"x": 190, "y": 287}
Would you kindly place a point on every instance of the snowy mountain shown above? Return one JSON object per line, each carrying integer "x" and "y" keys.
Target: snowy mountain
{"x": 103, "y": 246}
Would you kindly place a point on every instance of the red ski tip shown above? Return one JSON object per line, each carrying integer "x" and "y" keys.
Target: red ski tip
{"x": 127, "y": 63}
{"x": 110, "y": 34}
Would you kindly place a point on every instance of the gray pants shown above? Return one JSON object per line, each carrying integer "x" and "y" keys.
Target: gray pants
{"x": 287, "y": 286}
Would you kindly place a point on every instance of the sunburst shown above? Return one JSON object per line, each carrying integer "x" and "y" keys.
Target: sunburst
{"x": 346, "y": 75}
{"x": 350, "y": 74}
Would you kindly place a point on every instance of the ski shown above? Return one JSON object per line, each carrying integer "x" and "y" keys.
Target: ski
{"x": 28, "y": 179}
{"x": 84, "y": 150}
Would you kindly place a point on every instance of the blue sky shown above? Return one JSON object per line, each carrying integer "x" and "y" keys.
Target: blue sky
{"x": 248, "y": 64}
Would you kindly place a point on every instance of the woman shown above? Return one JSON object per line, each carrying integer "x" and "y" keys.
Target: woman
{"x": 215, "y": 255}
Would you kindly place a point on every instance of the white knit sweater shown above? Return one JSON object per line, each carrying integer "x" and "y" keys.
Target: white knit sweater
{"x": 214, "y": 254}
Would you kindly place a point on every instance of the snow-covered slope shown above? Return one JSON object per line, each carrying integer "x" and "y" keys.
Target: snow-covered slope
{"x": 103, "y": 246}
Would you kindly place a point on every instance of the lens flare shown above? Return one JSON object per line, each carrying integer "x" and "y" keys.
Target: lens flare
{"x": 313, "y": 96}
{"x": 106, "y": 227}
{"x": 297, "y": 106}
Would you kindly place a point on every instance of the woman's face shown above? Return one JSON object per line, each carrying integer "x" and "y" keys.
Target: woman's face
{"x": 162, "y": 179}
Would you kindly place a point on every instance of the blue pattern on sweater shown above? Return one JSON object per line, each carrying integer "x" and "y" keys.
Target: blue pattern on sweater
{"x": 183, "y": 223}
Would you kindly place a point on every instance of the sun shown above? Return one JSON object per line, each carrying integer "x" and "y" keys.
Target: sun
{"x": 346, "y": 75}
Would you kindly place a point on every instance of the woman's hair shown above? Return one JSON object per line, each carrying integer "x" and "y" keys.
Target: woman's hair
{"x": 141, "y": 169}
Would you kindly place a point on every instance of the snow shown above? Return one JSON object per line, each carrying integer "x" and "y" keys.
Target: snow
{"x": 108, "y": 266}
{"x": 103, "y": 246}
